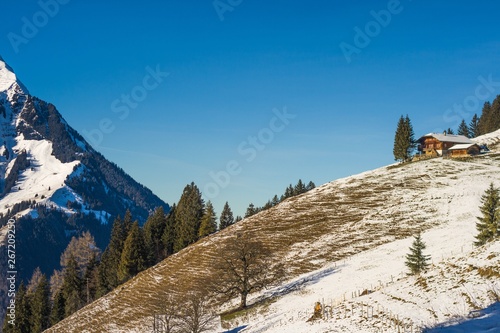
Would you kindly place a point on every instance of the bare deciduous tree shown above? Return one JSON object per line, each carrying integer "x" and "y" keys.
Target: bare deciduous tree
{"x": 244, "y": 266}
{"x": 197, "y": 316}
{"x": 168, "y": 321}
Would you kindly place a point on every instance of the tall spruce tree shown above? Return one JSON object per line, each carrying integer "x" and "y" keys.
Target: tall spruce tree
{"x": 168, "y": 237}
{"x": 188, "y": 217}
{"x": 134, "y": 256}
{"x": 72, "y": 288}
{"x": 495, "y": 115}
{"x": 23, "y": 310}
{"x": 416, "y": 260}
{"x": 299, "y": 188}
{"x": 474, "y": 127}
{"x": 153, "y": 232}
{"x": 463, "y": 129}
{"x": 209, "y": 221}
{"x": 226, "y": 217}
{"x": 275, "y": 201}
{"x": 108, "y": 269}
{"x": 488, "y": 226}
{"x": 404, "y": 140}
{"x": 127, "y": 222}
{"x": 58, "y": 308}
{"x": 485, "y": 119}
{"x": 41, "y": 306}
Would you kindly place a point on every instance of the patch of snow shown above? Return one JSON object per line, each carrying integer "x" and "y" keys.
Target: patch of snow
{"x": 8, "y": 78}
{"x": 44, "y": 177}
{"x": 489, "y": 139}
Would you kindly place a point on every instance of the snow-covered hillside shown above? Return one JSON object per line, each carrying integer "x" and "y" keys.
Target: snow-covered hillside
{"x": 343, "y": 239}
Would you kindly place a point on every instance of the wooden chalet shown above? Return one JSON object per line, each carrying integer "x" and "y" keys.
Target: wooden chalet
{"x": 464, "y": 150}
{"x": 434, "y": 145}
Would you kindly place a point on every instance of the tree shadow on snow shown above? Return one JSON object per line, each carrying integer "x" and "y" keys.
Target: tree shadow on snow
{"x": 484, "y": 321}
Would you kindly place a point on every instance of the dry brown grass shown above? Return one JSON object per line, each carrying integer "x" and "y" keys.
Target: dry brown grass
{"x": 324, "y": 225}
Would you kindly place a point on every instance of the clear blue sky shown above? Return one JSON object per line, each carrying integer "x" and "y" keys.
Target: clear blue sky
{"x": 227, "y": 76}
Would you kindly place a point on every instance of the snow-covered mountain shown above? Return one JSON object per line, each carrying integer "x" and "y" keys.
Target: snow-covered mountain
{"x": 344, "y": 245}
{"x": 53, "y": 183}
{"x": 43, "y": 159}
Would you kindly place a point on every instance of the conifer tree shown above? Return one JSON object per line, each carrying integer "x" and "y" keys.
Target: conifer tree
{"x": 72, "y": 288}
{"x": 299, "y": 188}
{"x": 58, "y": 308}
{"x": 134, "y": 255}
{"x": 209, "y": 221}
{"x": 416, "y": 261}
{"x": 23, "y": 310}
{"x": 188, "y": 217}
{"x": 168, "y": 237}
{"x": 450, "y": 131}
{"x": 226, "y": 217}
{"x": 41, "y": 306}
{"x": 127, "y": 223}
{"x": 268, "y": 205}
{"x": 153, "y": 232}
{"x": 463, "y": 129}
{"x": 485, "y": 119}
{"x": 488, "y": 226}
{"x": 495, "y": 115}
{"x": 275, "y": 201}
{"x": 474, "y": 127}
{"x": 310, "y": 186}
{"x": 404, "y": 140}
{"x": 108, "y": 269}
{"x": 251, "y": 210}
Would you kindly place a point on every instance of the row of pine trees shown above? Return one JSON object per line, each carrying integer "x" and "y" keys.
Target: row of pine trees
{"x": 290, "y": 191}
{"x": 488, "y": 122}
{"x": 87, "y": 273}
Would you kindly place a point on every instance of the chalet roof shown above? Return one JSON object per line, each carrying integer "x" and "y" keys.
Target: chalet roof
{"x": 448, "y": 138}
{"x": 462, "y": 146}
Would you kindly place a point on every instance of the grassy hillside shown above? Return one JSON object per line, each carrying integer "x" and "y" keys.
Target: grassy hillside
{"x": 328, "y": 224}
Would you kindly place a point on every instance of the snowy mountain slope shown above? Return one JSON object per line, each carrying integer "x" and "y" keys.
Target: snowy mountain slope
{"x": 45, "y": 176}
{"x": 54, "y": 184}
{"x": 338, "y": 240}
{"x": 34, "y": 130}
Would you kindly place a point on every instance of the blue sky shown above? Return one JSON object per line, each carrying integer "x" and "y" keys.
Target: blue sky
{"x": 229, "y": 67}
